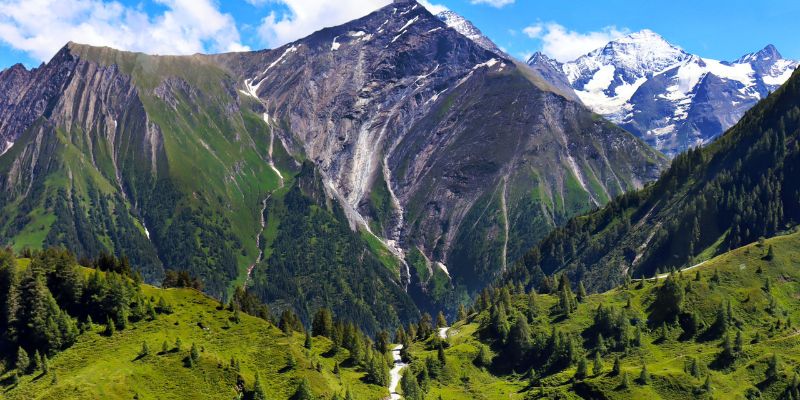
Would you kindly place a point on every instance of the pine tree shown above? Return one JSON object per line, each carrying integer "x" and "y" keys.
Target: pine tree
{"x": 582, "y": 370}
{"x": 617, "y": 368}
{"x": 307, "y": 343}
{"x": 303, "y": 391}
{"x": 773, "y": 367}
{"x": 707, "y": 385}
{"x": 601, "y": 344}
{"x": 695, "y": 367}
{"x": 644, "y": 376}
{"x": 581, "y": 292}
{"x": 462, "y": 313}
{"x": 145, "y": 350}
{"x": 770, "y": 254}
{"x": 483, "y": 359}
{"x": 164, "y": 347}
{"x": 178, "y": 344}
{"x": 194, "y": 353}
{"x": 531, "y": 309}
{"x": 637, "y": 339}
{"x": 440, "y": 355}
{"x": 597, "y": 368}
{"x": 291, "y": 363}
{"x": 258, "y": 390}
{"x": 322, "y": 324}
{"x": 441, "y": 321}
{"x": 45, "y": 364}
{"x": 110, "y": 327}
{"x": 626, "y": 380}
{"x": 36, "y": 361}
{"x": 738, "y": 344}
{"x": 23, "y": 360}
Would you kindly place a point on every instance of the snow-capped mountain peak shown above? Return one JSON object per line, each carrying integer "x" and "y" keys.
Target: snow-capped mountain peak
{"x": 668, "y": 97}
{"x": 768, "y": 53}
{"x": 468, "y": 29}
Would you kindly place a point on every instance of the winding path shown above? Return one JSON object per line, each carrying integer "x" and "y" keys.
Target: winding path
{"x": 396, "y": 373}
{"x": 443, "y": 332}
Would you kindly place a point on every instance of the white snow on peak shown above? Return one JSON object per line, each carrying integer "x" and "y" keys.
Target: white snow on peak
{"x": 606, "y": 78}
{"x": 415, "y": 19}
{"x": 7, "y": 146}
{"x": 291, "y": 49}
{"x": 403, "y": 29}
{"x": 467, "y": 29}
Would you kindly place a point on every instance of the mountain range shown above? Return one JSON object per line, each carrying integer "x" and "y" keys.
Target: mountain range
{"x": 375, "y": 167}
{"x": 671, "y": 99}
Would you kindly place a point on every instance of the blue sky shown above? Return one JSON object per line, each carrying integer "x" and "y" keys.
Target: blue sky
{"x": 33, "y": 30}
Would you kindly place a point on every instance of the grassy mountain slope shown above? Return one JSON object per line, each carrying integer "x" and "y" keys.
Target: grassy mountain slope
{"x": 764, "y": 313}
{"x": 739, "y": 188}
{"x": 99, "y": 366}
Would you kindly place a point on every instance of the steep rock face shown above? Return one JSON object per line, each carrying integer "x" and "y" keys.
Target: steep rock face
{"x": 671, "y": 99}
{"x": 470, "y": 31}
{"x": 70, "y": 121}
{"x": 445, "y": 159}
{"x": 552, "y": 72}
{"x": 738, "y": 189}
{"x": 453, "y": 154}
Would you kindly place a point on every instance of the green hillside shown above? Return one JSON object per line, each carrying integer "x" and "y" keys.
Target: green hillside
{"x": 677, "y": 327}
{"x": 231, "y": 349}
{"x": 712, "y": 199}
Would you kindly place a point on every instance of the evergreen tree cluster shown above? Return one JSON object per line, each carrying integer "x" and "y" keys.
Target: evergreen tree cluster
{"x": 732, "y": 192}
{"x": 44, "y": 307}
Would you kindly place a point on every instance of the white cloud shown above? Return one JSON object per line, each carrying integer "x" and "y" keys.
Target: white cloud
{"x": 41, "y": 27}
{"x": 433, "y": 8}
{"x": 493, "y": 3}
{"x": 564, "y": 45}
{"x": 307, "y": 16}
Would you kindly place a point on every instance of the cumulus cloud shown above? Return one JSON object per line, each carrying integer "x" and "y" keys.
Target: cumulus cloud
{"x": 493, "y": 3}
{"x": 433, "y": 8}
{"x": 565, "y": 45}
{"x": 307, "y": 16}
{"x": 41, "y": 27}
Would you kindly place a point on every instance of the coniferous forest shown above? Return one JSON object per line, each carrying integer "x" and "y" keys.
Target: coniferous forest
{"x": 393, "y": 207}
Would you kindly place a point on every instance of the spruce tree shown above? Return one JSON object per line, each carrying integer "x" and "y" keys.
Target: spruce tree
{"x": 45, "y": 364}
{"x": 582, "y": 370}
{"x": 581, "y": 292}
{"x": 291, "y": 363}
{"x": 194, "y": 353}
{"x": 483, "y": 359}
{"x": 145, "y": 350}
{"x": 258, "y": 390}
{"x": 626, "y": 380}
{"x": 303, "y": 391}
{"x": 110, "y": 327}
{"x": 36, "y": 361}
{"x": 707, "y": 385}
{"x": 738, "y": 344}
{"x": 164, "y": 347}
{"x": 617, "y": 368}
{"x": 462, "y": 313}
{"x": 178, "y": 344}
{"x": 644, "y": 376}
{"x": 597, "y": 368}
{"x": 307, "y": 343}
{"x": 773, "y": 368}
{"x": 23, "y": 361}
{"x": 441, "y": 321}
